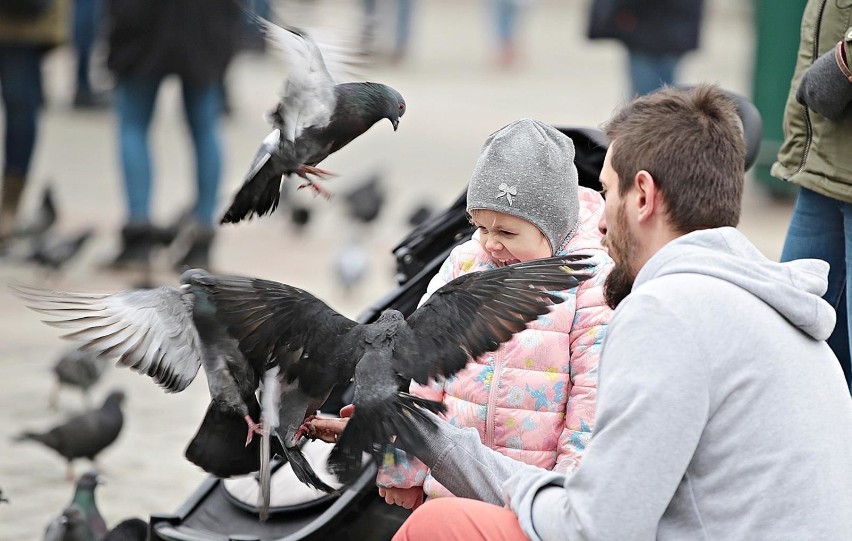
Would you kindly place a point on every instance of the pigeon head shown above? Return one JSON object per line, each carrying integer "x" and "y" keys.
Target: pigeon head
{"x": 383, "y": 102}
{"x": 115, "y": 397}
{"x": 90, "y": 479}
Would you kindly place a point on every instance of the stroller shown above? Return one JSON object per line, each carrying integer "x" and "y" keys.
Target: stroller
{"x": 358, "y": 513}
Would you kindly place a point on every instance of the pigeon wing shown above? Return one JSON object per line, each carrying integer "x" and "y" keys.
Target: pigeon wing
{"x": 476, "y": 312}
{"x": 307, "y": 98}
{"x": 309, "y": 340}
{"x": 148, "y": 330}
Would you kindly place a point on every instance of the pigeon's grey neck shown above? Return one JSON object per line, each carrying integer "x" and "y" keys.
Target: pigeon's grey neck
{"x": 391, "y": 316}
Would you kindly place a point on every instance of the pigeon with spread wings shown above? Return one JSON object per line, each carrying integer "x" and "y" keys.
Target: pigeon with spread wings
{"x": 168, "y": 333}
{"x": 315, "y": 117}
{"x": 316, "y": 348}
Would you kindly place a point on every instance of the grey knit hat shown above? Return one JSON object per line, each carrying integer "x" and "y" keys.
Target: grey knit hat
{"x": 527, "y": 169}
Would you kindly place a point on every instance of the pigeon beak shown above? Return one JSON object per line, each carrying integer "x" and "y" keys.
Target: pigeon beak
{"x": 395, "y": 123}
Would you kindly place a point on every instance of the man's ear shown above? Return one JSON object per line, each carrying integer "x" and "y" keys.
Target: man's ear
{"x": 646, "y": 196}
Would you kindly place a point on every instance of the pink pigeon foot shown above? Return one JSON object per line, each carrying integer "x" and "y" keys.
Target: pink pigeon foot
{"x": 253, "y": 428}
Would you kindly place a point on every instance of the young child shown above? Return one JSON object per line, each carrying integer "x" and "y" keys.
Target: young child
{"x": 534, "y": 398}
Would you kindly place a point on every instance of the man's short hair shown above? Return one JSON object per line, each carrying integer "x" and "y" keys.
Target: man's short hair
{"x": 691, "y": 142}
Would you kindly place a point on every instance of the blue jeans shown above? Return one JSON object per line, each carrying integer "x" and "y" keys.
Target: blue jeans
{"x": 135, "y": 99}
{"x": 87, "y": 20}
{"x": 505, "y": 20}
{"x": 648, "y": 72}
{"x": 821, "y": 228}
{"x": 21, "y": 88}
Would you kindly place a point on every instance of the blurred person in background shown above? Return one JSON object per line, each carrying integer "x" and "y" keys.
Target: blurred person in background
{"x": 85, "y": 32}
{"x": 148, "y": 41}
{"x": 506, "y": 14}
{"x": 28, "y": 30}
{"x": 816, "y": 156}
{"x": 656, "y": 34}
{"x": 401, "y": 27}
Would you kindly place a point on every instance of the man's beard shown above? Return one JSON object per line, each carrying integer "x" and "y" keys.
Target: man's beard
{"x": 619, "y": 282}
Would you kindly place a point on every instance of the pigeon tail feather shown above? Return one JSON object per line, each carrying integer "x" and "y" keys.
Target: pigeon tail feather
{"x": 371, "y": 428}
{"x": 304, "y": 471}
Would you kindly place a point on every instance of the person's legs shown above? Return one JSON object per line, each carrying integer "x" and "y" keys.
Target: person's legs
{"x": 648, "y": 72}
{"x": 134, "y": 101}
{"x": 460, "y": 519}
{"x": 403, "y": 29}
{"x": 817, "y": 231}
{"x": 21, "y": 88}
{"x": 506, "y": 21}
{"x": 84, "y": 34}
{"x": 203, "y": 105}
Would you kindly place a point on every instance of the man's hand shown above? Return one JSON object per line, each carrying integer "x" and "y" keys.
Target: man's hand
{"x": 826, "y": 86}
{"x": 409, "y": 498}
{"x": 328, "y": 430}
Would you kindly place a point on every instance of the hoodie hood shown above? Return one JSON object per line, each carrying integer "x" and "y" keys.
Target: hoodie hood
{"x": 794, "y": 289}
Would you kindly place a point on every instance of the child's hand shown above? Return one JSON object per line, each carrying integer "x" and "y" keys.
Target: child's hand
{"x": 409, "y": 498}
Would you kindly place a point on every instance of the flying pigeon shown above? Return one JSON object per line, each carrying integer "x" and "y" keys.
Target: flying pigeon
{"x": 84, "y": 435}
{"x": 315, "y": 117}
{"x": 317, "y": 348}
{"x": 77, "y": 368}
{"x": 168, "y": 333}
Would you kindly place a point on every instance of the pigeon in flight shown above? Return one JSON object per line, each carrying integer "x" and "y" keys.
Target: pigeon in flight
{"x": 315, "y": 117}
{"x": 316, "y": 348}
{"x": 84, "y": 435}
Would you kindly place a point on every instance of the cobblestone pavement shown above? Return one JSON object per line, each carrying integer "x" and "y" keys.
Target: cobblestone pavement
{"x": 456, "y": 97}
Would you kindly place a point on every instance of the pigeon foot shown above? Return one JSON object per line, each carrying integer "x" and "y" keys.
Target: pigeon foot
{"x": 306, "y": 430}
{"x": 253, "y": 428}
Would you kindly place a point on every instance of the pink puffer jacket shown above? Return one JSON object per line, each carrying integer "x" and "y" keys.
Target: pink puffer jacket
{"x": 534, "y": 398}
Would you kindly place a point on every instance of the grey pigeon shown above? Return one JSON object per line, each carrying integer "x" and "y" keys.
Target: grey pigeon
{"x": 70, "y": 525}
{"x": 315, "y": 117}
{"x": 316, "y": 348}
{"x": 366, "y": 201}
{"x": 350, "y": 264}
{"x": 131, "y": 529}
{"x": 84, "y": 498}
{"x": 77, "y": 368}
{"x": 84, "y": 435}
{"x": 3, "y": 497}
{"x": 53, "y": 251}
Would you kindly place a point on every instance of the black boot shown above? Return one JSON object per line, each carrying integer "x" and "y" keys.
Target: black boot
{"x": 137, "y": 243}
{"x": 198, "y": 255}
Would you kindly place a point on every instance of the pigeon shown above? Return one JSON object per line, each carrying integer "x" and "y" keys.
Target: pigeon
{"x": 84, "y": 497}
{"x": 53, "y": 251}
{"x": 77, "y": 368}
{"x": 365, "y": 202}
{"x": 350, "y": 264}
{"x": 84, "y": 435}
{"x": 168, "y": 333}
{"x": 81, "y": 520}
{"x": 315, "y": 117}
{"x": 316, "y": 348}
{"x": 3, "y": 497}
{"x": 70, "y": 525}
{"x": 131, "y": 529}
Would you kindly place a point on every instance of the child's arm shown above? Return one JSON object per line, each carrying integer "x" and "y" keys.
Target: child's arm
{"x": 588, "y": 330}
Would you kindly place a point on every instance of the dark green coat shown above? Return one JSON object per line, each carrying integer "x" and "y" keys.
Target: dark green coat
{"x": 817, "y": 153}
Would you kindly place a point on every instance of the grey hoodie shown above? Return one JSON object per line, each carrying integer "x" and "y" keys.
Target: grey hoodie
{"x": 722, "y": 413}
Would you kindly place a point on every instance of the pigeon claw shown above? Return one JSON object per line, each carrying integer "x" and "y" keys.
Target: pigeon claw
{"x": 306, "y": 430}
{"x": 253, "y": 428}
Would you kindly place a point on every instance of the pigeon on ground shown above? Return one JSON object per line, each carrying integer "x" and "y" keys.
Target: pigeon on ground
{"x": 77, "y": 368}
{"x": 316, "y": 348}
{"x": 365, "y": 202}
{"x": 70, "y": 525}
{"x": 350, "y": 264}
{"x": 43, "y": 219}
{"x": 131, "y": 529}
{"x": 3, "y": 498}
{"x": 53, "y": 251}
{"x": 84, "y": 435}
{"x": 315, "y": 117}
{"x": 81, "y": 520}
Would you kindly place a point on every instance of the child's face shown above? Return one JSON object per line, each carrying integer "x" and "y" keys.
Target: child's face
{"x": 509, "y": 239}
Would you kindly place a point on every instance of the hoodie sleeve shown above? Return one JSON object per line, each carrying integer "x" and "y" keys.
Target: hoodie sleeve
{"x": 588, "y": 330}
{"x": 654, "y": 400}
